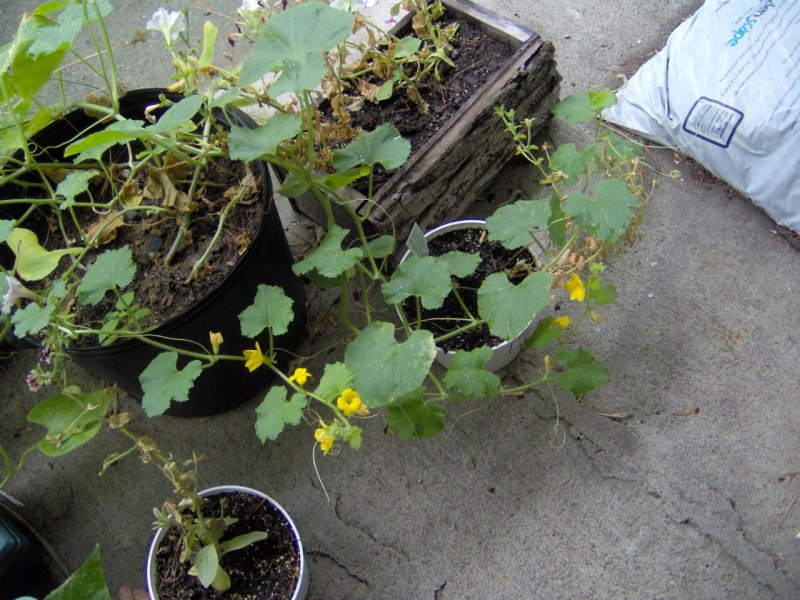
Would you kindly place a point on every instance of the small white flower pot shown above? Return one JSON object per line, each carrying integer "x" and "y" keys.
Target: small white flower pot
{"x": 301, "y": 587}
{"x": 504, "y": 353}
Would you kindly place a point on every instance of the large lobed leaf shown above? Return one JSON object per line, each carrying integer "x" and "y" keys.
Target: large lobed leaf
{"x": 508, "y": 308}
{"x": 384, "y": 369}
{"x": 293, "y": 35}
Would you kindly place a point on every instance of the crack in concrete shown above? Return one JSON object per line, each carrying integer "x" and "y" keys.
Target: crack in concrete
{"x": 757, "y": 562}
{"x": 393, "y": 547}
{"x": 343, "y": 567}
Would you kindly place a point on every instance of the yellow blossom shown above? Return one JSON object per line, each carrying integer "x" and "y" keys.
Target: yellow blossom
{"x": 300, "y": 376}
{"x": 255, "y": 358}
{"x": 547, "y": 362}
{"x": 216, "y": 340}
{"x": 562, "y": 322}
{"x": 349, "y": 402}
{"x": 323, "y": 436}
{"x": 575, "y": 288}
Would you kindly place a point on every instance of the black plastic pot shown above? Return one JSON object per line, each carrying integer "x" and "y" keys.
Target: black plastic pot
{"x": 26, "y": 568}
{"x": 267, "y": 260}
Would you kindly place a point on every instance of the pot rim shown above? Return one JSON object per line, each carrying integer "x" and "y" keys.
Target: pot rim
{"x": 507, "y": 346}
{"x": 301, "y": 585}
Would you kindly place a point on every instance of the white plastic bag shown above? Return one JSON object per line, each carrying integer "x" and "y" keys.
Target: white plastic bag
{"x": 725, "y": 90}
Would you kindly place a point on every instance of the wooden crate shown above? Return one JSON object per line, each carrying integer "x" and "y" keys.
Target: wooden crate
{"x": 456, "y": 165}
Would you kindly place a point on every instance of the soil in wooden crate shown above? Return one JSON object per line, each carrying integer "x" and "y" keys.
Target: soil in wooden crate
{"x": 266, "y": 570}
{"x": 477, "y": 54}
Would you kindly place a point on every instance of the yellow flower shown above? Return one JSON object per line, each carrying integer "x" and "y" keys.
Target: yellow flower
{"x": 300, "y": 376}
{"x": 255, "y": 358}
{"x": 562, "y": 322}
{"x": 575, "y": 288}
{"x": 324, "y": 437}
{"x": 216, "y": 340}
{"x": 349, "y": 402}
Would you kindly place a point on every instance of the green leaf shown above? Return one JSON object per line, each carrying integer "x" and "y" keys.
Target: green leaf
{"x": 247, "y": 144}
{"x": 111, "y": 269}
{"x": 385, "y": 91}
{"x": 162, "y": 382}
{"x": 407, "y": 46}
{"x": 423, "y": 276}
{"x": 382, "y": 247}
{"x": 71, "y": 421}
{"x": 384, "y": 145}
{"x": 86, "y": 583}
{"x": 93, "y": 145}
{"x": 26, "y": 74}
{"x": 607, "y": 216}
{"x": 206, "y": 563}
{"x": 329, "y": 259}
{"x": 31, "y": 319}
{"x": 583, "y": 373}
{"x": 242, "y": 541}
{"x": 583, "y": 106}
{"x": 466, "y": 374}
{"x": 460, "y": 264}
{"x": 337, "y": 181}
{"x": 514, "y": 225}
{"x": 300, "y": 76}
{"x": 410, "y": 417}
{"x": 72, "y": 185}
{"x": 34, "y": 262}
{"x": 546, "y": 331}
{"x": 557, "y": 224}
{"x": 336, "y": 378}
{"x": 385, "y": 369}
{"x": 622, "y": 147}
{"x": 601, "y": 293}
{"x": 178, "y": 115}
{"x": 6, "y": 228}
{"x": 61, "y": 32}
{"x": 310, "y": 27}
{"x": 571, "y": 162}
{"x": 508, "y": 308}
{"x": 271, "y": 308}
{"x": 275, "y": 413}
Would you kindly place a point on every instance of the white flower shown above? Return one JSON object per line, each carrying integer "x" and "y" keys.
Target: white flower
{"x": 249, "y": 5}
{"x": 171, "y": 24}
{"x": 14, "y": 292}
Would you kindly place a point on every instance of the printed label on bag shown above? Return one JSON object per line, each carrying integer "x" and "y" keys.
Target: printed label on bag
{"x": 713, "y": 121}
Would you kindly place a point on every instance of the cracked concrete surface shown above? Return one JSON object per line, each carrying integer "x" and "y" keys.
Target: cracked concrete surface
{"x": 679, "y": 491}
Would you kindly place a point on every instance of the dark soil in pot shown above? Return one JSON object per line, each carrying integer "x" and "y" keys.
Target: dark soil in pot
{"x": 266, "y": 570}
{"x": 477, "y": 54}
{"x": 495, "y": 258}
{"x": 252, "y": 250}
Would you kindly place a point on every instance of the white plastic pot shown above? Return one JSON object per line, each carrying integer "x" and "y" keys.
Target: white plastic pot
{"x": 504, "y": 353}
{"x": 301, "y": 589}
